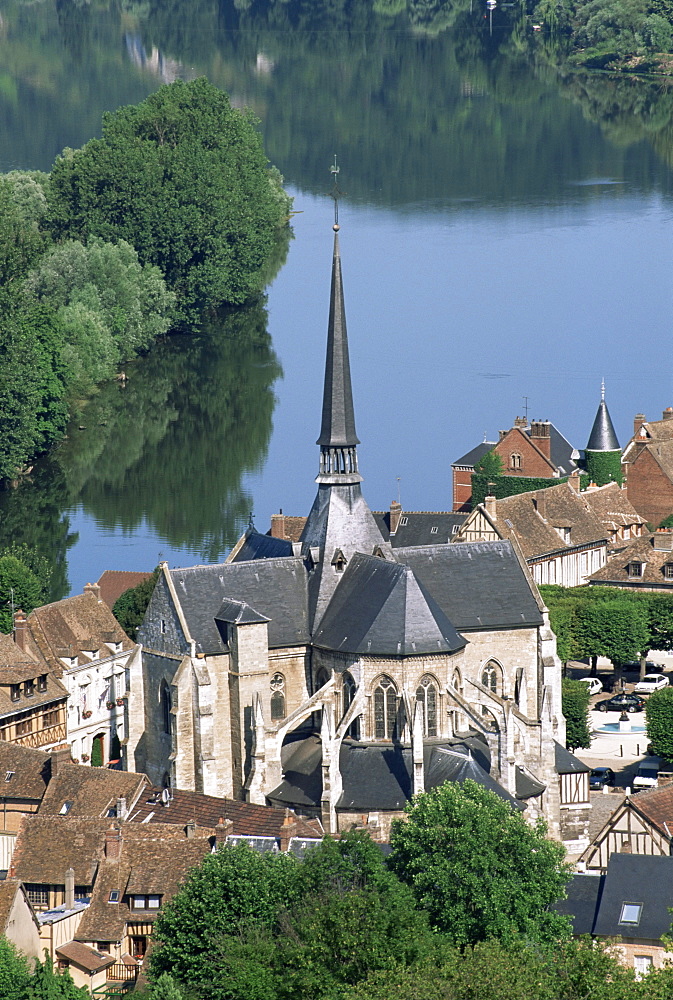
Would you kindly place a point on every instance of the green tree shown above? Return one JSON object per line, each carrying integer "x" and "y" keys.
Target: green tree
{"x": 659, "y": 718}
{"x": 166, "y": 988}
{"x": 14, "y": 972}
{"x": 130, "y": 607}
{"x": 19, "y": 588}
{"x": 47, "y": 984}
{"x": 576, "y": 698}
{"x": 477, "y": 866}
{"x": 183, "y": 178}
{"x": 490, "y": 464}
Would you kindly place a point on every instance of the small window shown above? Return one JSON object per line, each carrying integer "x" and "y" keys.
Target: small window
{"x": 9, "y": 775}
{"x": 515, "y": 461}
{"x": 38, "y": 897}
{"x": 42, "y": 682}
{"x": 455, "y": 528}
{"x": 404, "y": 521}
{"x": 635, "y": 569}
{"x": 104, "y": 946}
{"x": 163, "y": 626}
{"x": 153, "y": 902}
{"x": 668, "y": 571}
{"x": 114, "y": 896}
{"x": 29, "y": 688}
{"x": 631, "y": 913}
{"x": 277, "y": 697}
{"x": 138, "y": 902}
{"x": 642, "y": 964}
{"x": 15, "y": 692}
{"x": 65, "y": 808}
{"x": 434, "y": 530}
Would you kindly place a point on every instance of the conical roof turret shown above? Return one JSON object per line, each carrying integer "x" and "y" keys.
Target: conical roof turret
{"x": 603, "y": 436}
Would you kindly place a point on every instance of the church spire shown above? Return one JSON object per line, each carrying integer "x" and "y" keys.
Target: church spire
{"x": 603, "y": 437}
{"x": 338, "y": 440}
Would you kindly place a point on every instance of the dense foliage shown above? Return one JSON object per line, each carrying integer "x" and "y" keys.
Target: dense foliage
{"x": 490, "y": 464}
{"x": 501, "y": 486}
{"x": 575, "y": 707}
{"x": 21, "y": 979}
{"x": 602, "y": 621}
{"x": 477, "y": 867}
{"x": 659, "y": 716}
{"x": 130, "y": 607}
{"x": 603, "y": 467}
{"x": 182, "y": 177}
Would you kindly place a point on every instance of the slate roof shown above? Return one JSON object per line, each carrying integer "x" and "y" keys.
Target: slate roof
{"x": 534, "y": 517}
{"x": 115, "y": 582}
{"x": 642, "y": 550}
{"x": 338, "y": 416}
{"x": 567, "y": 763}
{"x": 603, "y": 436}
{"x": 424, "y": 527}
{"x": 92, "y": 791}
{"x": 275, "y": 588}
{"x": 257, "y": 546}
{"x": 470, "y": 459}
{"x": 636, "y": 878}
{"x": 31, "y": 771}
{"x": 207, "y": 810}
{"x": 73, "y": 627}
{"x": 583, "y": 896}
{"x": 478, "y": 585}
{"x": 379, "y": 608}
{"x": 378, "y": 776}
{"x": 86, "y": 958}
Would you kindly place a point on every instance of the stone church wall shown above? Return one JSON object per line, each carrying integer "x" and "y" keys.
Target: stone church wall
{"x": 161, "y": 630}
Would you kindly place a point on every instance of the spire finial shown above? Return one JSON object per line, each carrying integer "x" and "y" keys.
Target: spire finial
{"x": 336, "y": 193}
{"x": 602, "y": 390}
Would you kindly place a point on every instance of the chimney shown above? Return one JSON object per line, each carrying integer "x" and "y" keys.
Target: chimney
{"x": 223, "y": 828}
{"x": 662, "y": 540}
{"x": 92, "y": 588}
{"x": 540, "y": 433}
{"x": 121, "y": 807}
{"x": 58, "y": 759}
{"x": 521, "y": 423}
{"x": 278, "y": 525}
{"x": 20, "y": 625}
{"x": 287, "y": 830}
{"x": 668, "y": 413}
{"x": 70, "y": 889}
{"x": 395, "y": 515}
{"x": 540, "y": 503}
{"x": 638, "y": 422}
{"x": 626, "y": 847}
{"x": 491, "y": 506}
{"x": 574, "y": 480}
{"x": 501, "y": 435}
{"x": 113, "y": 843}
{"x": 190, "y": 830}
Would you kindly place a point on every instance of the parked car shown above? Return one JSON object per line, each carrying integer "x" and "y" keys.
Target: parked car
{"x": 647, "y": 775}
{"x": 622, "y": 703}
{"x": 650, "y": 666}
{"x": 650, "y": 683}
{"x": 593, "y": 683}
{"x": 601, "y": 776}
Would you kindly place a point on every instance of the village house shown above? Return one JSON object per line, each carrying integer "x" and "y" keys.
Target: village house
{"x": 18, "y": 923}
{"x": 647, "y": 464}
{"x": 347, "y": 641}
{"x": 82, "y": 642}
{"x": 561, "y": 538}
{"x": 32, "y": 697}
{"x": 534, "y": 449}
{"x": 643, "y": 564}
{"x": 620, "y": 519}
{"x": 638, "y": 824}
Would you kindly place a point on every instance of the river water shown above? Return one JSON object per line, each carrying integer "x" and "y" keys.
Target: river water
{"x": 506, "y": 244}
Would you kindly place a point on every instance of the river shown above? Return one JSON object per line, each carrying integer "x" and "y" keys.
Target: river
{"x": 506, "y": 242}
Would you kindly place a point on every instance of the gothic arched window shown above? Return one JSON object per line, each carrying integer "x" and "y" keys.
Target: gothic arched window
{"x": 490, "y": 677}
{"x": 277, "y": 697}
{"x": 321, "y": 679}
{"x": 166, "y": 707}
{"x": 427, "y": 698}
{"x": 348, "y": 692}
{"x": 385, "y": 709}
{"x": 515, "y": 461}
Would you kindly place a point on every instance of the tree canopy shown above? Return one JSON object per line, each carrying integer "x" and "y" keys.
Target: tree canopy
{"x": 575, "y": 707}
{"x": 659, "y": 716}
{"x": 477, "y": 867}
{"x": 183, "y": 178}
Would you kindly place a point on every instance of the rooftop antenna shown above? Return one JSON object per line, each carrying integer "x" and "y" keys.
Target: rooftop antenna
{"x": 251, "y": 521}
{"x": 399, "y": 496}
{"x": 525, "y": 407}
{"x": 336, "y": 192}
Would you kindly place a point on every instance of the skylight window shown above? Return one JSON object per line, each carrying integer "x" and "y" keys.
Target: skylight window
{"x": 9, "y": 775}
{"x": 114, "y": 896}
{"x": 434, "y": 530}
{"x": 631, "y": 913}
{"x": 404, "y": 520}
{"x": 65, "y": 808}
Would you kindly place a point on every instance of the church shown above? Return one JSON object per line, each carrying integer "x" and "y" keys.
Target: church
{"x": 338, "y": 675}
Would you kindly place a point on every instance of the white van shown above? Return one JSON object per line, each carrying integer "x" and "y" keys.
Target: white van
{"x": 648, "y": 774}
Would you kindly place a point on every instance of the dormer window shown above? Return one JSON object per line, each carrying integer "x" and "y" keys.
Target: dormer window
{"x": 635, "y": 570}
{"x": 668, "y": 571}
{"x": 15, "y": 692}
{"x": 42, "y": 683}
{"x": 339, "y": 561}
{"x": 29, "y": 688}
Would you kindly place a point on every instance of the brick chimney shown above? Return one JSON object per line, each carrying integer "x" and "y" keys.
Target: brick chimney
{"x": 288, "y": 830}
{"x": 70, "y": 889}
{"x": 113, "y": 843}
{"x": 20, "y": 626}
{"x": 92, "y": 588}
{"x": 278, "y": 525}
{"x": 491, "y": 505}
{"x": 222, "y": 830}
{"x": 521, "y": 423}
{"x": 668, "y": 413}
{"x": 574, "y": 480}
{"x": 58, "y": 759}
{"x": 190, "y": 830}
{"x": 540, "y": 502}
{"x": 395, "y": 515}
{"x": 638, "y": 422}
{"x": 540, "y": 433}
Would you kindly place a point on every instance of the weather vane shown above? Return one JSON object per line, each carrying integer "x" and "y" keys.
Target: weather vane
{"x": 336, "y": 192}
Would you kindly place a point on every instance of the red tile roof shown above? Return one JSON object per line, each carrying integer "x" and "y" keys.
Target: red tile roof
{"x": 115, "y": 582}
